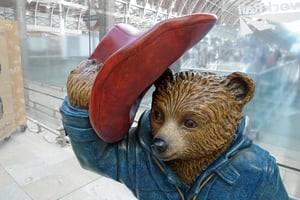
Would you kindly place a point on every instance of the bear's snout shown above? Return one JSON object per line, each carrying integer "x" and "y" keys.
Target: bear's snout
{"x": 159, "y": 145}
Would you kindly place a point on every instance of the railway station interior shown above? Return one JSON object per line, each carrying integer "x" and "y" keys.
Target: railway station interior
{"x": 41, "y": 41}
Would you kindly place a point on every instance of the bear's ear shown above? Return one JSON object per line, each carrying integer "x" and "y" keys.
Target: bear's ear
{"x": 167, "y": 75}
{"x": 241, "y": 85}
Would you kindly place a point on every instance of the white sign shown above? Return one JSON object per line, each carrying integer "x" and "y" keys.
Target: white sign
{"x": 260, "y": 13}
{"x": 270, "y": 7}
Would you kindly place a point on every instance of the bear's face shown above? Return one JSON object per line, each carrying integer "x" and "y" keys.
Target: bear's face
{"x": 195, "y": 115}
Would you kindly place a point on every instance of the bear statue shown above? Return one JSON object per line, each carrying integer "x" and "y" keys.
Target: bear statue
{"x": 191, "y": 144}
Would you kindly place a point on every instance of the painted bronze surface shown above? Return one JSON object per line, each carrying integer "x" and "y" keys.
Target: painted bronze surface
{"x": 195, "y": 117}
{"x": 133, "y": 67}
{"x": 191, "y": 145}
{"x": 80, "y": 82}
{"x": 243, "y": 171}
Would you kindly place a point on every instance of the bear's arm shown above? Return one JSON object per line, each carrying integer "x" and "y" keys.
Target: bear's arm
{"x": 110, "y": 160}
{"x": 271, "y": 185}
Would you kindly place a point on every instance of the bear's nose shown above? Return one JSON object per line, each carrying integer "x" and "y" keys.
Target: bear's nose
{"x": 159, "y": 145}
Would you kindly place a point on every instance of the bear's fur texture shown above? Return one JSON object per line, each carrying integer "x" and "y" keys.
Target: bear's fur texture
{"x": 80, "y": 83}
{"x": 195, "y": 116}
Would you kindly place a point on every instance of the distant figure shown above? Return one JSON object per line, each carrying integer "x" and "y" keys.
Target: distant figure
{"x": 1, "y": 108}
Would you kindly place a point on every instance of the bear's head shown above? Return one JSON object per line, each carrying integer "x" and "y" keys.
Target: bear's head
{"x": 194, "y": 117}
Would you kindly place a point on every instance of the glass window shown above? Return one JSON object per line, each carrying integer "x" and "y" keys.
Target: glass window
{"x": 260, "y": 38}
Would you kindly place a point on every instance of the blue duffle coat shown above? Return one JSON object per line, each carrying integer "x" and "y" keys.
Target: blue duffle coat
{"x": 244, "y": 171}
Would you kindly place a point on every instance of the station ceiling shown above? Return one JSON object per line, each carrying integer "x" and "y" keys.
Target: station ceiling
{"x": 140, "y": 12}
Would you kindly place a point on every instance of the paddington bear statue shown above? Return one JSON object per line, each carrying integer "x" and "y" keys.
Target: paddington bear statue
{"x": 192, "y": 144}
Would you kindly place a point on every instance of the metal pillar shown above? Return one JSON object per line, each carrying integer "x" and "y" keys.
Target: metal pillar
{"x": 21, "y": 16}
{"x": 106, "y": 18}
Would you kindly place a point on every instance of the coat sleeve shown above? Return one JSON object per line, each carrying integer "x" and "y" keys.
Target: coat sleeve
{"x": 110, "y": 160}
{"x": 271, "y": 185}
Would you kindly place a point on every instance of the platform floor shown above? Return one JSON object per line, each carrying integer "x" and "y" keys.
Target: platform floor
{"x": 34, "y": 166}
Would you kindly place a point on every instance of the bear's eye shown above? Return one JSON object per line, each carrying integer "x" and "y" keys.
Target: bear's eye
{"x": 190, "y": 123}
{"x": 157, "y": 115}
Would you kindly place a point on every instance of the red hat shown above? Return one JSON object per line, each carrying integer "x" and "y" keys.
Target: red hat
{"x": 131, "y": 63}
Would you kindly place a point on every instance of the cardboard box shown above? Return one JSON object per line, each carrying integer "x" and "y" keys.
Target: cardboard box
{"x": 7, "y": 120}
{"x": 12, "y": 103}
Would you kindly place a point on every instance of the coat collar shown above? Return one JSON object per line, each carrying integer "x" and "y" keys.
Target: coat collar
{"x": 240, "y": 142}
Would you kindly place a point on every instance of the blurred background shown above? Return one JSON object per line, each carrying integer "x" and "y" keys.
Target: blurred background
{"x": 261, "y": 38}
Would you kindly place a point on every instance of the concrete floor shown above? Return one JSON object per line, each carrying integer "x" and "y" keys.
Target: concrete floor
{"x": 33, "y": 166}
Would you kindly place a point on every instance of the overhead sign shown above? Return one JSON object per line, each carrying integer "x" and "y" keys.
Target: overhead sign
{"x": 270, "y": 7}
{"x": 90, "y": 18}
{"x": 277, "y": 11}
